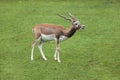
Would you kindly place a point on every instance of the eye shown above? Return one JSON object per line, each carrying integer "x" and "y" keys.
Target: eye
{"x": 75, "y": 23}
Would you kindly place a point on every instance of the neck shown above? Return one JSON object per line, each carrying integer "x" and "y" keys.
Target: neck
{"x": 70, "y": 32}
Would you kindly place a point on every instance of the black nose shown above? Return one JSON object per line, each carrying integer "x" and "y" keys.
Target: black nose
{"x": 83, "y": 27}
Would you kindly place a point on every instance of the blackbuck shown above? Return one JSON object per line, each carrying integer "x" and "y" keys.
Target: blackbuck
{"x": 48, "y": 32}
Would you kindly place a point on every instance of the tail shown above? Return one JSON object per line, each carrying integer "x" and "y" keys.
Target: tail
{"x": 32, "y": 30}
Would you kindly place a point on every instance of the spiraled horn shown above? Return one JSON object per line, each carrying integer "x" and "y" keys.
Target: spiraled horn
{"x": 66, "y": 18}
{"x": 72, "y": 17}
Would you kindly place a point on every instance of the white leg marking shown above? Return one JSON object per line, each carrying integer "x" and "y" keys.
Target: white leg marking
{"x": 58, "y": 58}
{"x": 41, "y": 51}
{"x": 55, "y": 55}
{"x": 32, "y": 53}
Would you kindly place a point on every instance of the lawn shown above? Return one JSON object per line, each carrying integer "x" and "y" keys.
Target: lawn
{"x": 91, "y": 54}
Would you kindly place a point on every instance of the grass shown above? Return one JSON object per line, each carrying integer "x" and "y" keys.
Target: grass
{"x": 91, "y": 54}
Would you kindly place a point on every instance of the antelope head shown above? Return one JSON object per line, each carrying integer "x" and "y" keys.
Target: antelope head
{"x": 76, "y": 23}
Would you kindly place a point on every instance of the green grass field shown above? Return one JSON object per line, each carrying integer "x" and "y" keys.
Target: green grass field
{"x": 91, "y": 54}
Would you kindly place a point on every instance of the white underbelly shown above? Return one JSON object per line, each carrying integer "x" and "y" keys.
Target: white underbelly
{"x": 51, "y": 37}
{"x": 62, "y": 38}
{"x": 47, "y": 37}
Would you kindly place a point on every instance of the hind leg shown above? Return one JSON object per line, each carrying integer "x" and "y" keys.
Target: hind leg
{"x": 41, "y": 51}
{"x": 33, "y": 45}
{"x": 37, "y": 38}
